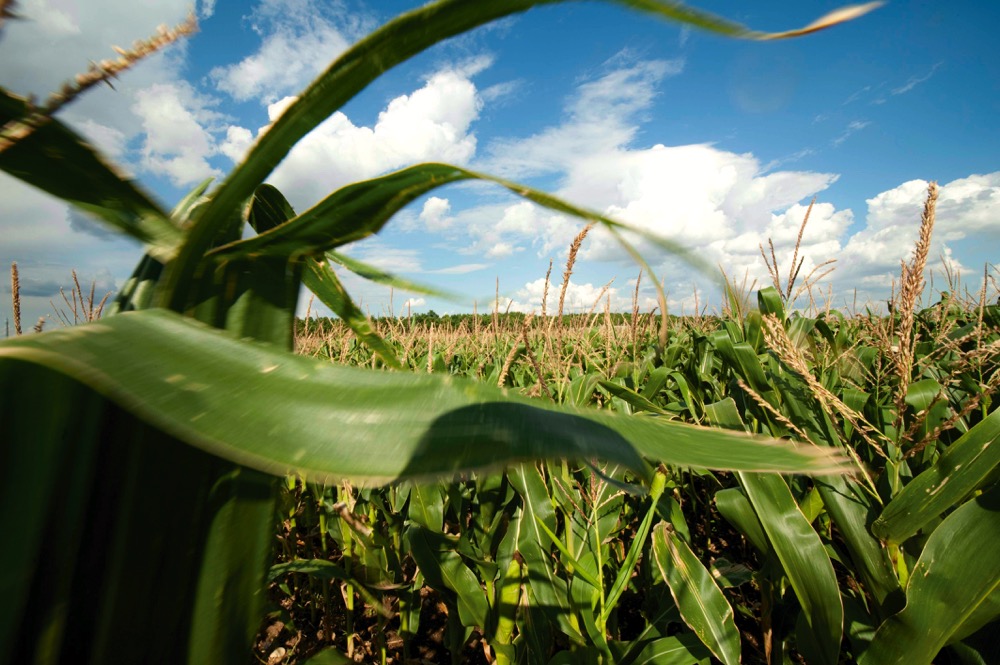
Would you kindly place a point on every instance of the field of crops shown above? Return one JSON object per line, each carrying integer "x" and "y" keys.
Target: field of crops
{"x": 569, "y": 562}
{"x": 764, "y": 484}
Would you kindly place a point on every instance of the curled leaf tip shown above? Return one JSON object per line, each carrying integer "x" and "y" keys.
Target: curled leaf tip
{"x": 836, "y": 17}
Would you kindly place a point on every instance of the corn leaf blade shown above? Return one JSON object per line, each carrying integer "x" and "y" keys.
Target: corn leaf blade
{"x": 957, "y": 572}
{"x": 58, "y": 161}
{"x": 960, "y": 469}
{"x": 701, "y": 603}
{"x": 803, "y": 558}
{"x": 328, "y": 423}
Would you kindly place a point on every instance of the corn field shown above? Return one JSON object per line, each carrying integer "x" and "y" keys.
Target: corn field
{"x": 190, "y": 474}
{"x": 736, "y": 541}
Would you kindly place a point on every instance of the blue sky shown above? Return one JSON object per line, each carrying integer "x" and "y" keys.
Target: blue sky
{"x": 715, "y": 143}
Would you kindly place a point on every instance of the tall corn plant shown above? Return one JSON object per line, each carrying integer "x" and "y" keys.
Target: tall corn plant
{"x": 138, "y": 499}
{"x": 914, "y": 531}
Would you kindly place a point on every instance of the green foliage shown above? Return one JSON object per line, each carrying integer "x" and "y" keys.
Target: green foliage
{"x": 143, "y": 500}
{"x": 786, "y": 568}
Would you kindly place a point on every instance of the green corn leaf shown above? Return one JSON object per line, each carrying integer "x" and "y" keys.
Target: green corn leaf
{"x": 329, "y": 656}
{"x": 957, "y": 572}
{"x": 985, "y": 613}
{"x": 181, "y": 214}
{"x": 683, "y": 649}
{"x": 374, "y": 274}
{"x": 444, "y": 568}
{"x": 141, "y": 516}
{"x": 138, "y": 290}
{"x": 269, "y": 209}
{"x": 705, "y": 610}
{"x": 320, "y": 278}
{"x": 578, "y": 569}
{"x": 922, "y": 394}
{"x": 635, "y": 549}
{"x": 734, "y": 506}
{"x": 318, "y": 568}
{"x": 850, "y": 507}
{"x": 769, "y": 302}
{"x": 632, "y": 398}
{"x": 959, "y": 471}
{"x": 362, "y": 209}
{"x": 547, "y": 592}
{"x": 803, "y": 559}
{"x": 294, "y": 412}
{"x": 585, "y": 602}
{"x": 58, "y": 161}
{"x": 427, "y": 506}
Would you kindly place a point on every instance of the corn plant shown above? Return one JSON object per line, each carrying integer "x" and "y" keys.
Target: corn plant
{"x": 914, "y": 531}
{"x": 143, "y": 496}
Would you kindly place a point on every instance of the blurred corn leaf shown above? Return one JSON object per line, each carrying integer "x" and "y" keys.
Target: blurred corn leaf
{"x": 329, "y": 423}
{"x": 58, "y": 161}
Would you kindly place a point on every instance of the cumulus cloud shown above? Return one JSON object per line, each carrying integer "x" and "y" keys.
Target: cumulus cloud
{"x": 722, "y": 203}
{"x": 433, "y": 123}
{"x": 600, "y": 117}
{"x": 150, "y": 108}
{"x": 965, "y": 206}
{"x": 434, "y": 214}
{"x": 176, "y": 145}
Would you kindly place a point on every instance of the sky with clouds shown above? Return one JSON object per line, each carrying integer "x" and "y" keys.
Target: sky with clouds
{"x": 716, "y": 144}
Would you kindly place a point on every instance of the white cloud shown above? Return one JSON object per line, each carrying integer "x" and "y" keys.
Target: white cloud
{"x": 57, "y": 39}
{"x": 414, "y": 302}
{"x": 207, "y": 9}
{"x": 501, "y": 249}
{"x": 580, "y": 298}
{"x": 600, "y": 118}
{"x": 433, "y": 123}
{"x": 151, "y": 105}
{"x": 914, "y": 81}
{"x": 391, "y": 259}
{"x": 964, "y": 206}
{"x": 435, "y": 214}
{"x": 460, "y": 269}
{"x": 109, "y": 140}
{"x": 176, "y": 144}
{"x": 721, "y": 203}
{"x": 299, "y": 39}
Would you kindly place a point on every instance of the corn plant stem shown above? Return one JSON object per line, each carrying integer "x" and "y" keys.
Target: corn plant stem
{"x": 602, "y": 596}
{"x": 567, "y": 479}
